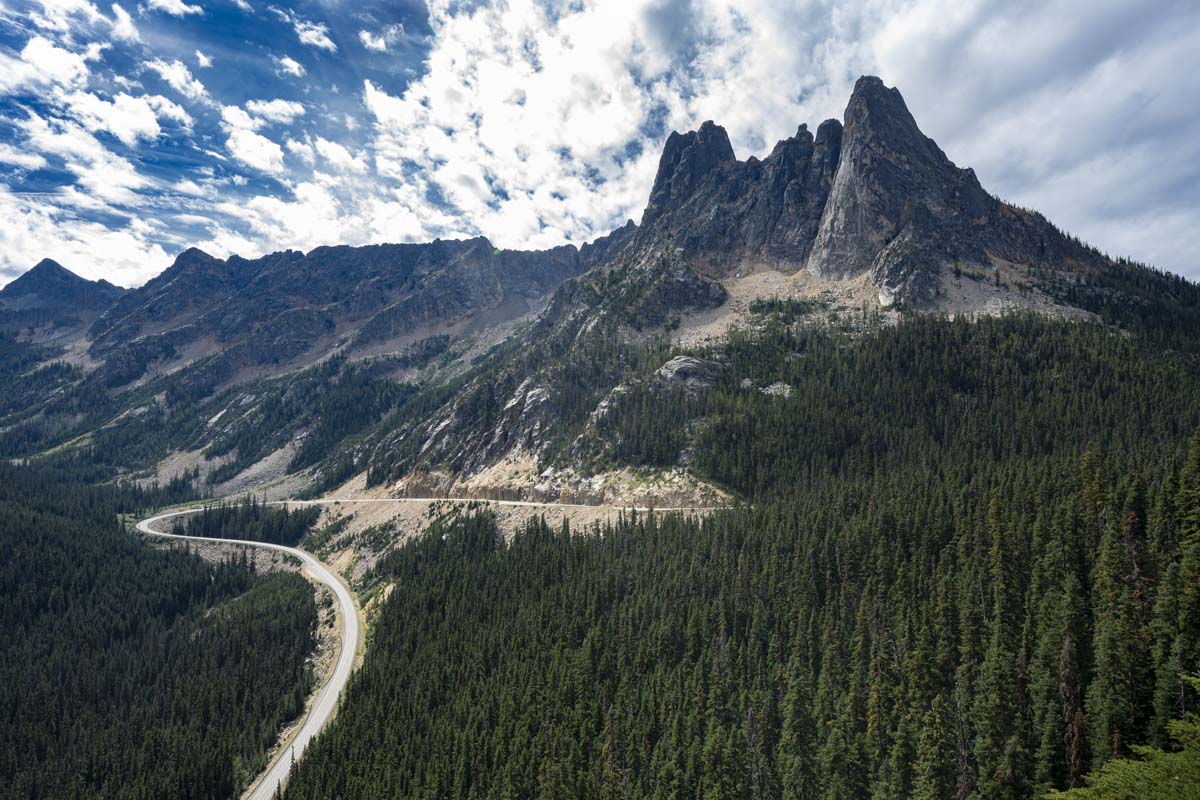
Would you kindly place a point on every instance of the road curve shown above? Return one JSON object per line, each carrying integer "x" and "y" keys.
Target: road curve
{"x": 325, "y": 704}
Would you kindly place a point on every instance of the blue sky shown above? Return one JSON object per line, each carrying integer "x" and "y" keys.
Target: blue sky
{"x": 132, "y": 130}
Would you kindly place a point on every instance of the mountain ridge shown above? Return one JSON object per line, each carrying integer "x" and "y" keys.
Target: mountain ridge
{"x": 463, "y": 357}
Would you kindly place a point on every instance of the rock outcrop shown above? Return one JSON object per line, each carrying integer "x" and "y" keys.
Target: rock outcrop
{"x": 293, "y": 307}
{"x": 718, "y": 212}
{"x": 871, "y": 195}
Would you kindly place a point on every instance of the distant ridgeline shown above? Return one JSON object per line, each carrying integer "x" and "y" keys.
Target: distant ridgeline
{"x": 970, "y": 570}
{"x": 130, "y": 672}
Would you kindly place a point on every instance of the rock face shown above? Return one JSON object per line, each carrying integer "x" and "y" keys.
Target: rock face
{"x": 892, "y": 179}
{"x": 286, "y": 306}
{"x": 717, "y": 211}
{"x": 874, "y": 195}
{"x": 691, "y": 374}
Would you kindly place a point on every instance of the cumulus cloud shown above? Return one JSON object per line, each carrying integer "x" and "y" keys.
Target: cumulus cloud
{"x": 339, "y": 157}
{"x": 203, "y": 61}
{"x": 282, "y": 111}
{"x": 106, "y": 178}
{"x": 32, "y": 228}
{"x": 178, "y": 77}
{"x": 289, "y": 66}
{"x": 41, "y": 63}
{"x": 314, "y": 34}
{"x": 64, "y": 15}
{"x": 123, "y": 28}
{"x": 302, "y": 150}
{"x": 125, "y": 117}
{"x": 256, "y": 151}
{"x": 176, "y": 8}
{"x": 21, "y": 158}
{"x": 379, "y": 42}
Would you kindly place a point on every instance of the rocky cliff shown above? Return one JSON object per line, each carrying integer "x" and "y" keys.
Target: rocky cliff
{"x": 871, "y": 194}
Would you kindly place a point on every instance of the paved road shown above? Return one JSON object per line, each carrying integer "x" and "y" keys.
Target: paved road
{"x": 327, "y": 698}
{"x": 326, "y": 701}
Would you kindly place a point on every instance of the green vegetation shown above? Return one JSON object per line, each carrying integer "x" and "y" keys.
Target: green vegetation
{"x": 252, "y": 521}
{"x": 1155, "y": 774}
{"x": 787, "y": 308}
{"x": 130, "y": 672}
{"x": 969, "y": 569}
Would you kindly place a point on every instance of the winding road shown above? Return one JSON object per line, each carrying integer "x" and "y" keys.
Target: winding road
{"x": 326, "y": 702}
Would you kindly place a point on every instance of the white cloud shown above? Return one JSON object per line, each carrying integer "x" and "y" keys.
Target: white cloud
{"x": 236, "y": 118}
{"x": 203, "y": 61}
{"x": 289, "y": 66}
{"x": 109, "y": 179}
{"x": 190, "y": 187}
{"x": 282, "y": 111}
{"x": 64, "y": 15}
{"x": 256, "y": 151}
{"x": 42, "y": 64}
{"x": 176, "y": 8}
{"x": 339, "y": 157}
{"x": 20, "y": 158}
{"x": 126, "y": 117}
{"x": 259, "y": 113}
{"x": 32, "y": 229}
{"x": 123, "y": 28}
{"x": 302, "y": 150}
{"x": 379, "y": 42}
{"x": 179, "y": 78}
{"x": 314, "y": 34}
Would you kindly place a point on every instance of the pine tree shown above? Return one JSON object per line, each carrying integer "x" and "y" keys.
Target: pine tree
{"x": 797, "y": 752}
{"x": 999, "y": 744}
{"x": 935, "y": 769}
{"x": 1111, "y": 697}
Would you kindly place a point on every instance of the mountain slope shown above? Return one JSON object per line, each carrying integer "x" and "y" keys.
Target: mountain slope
{"x": 868, "y": 204}
{"x": 293, "y": 308}
{"x": 456, "y": 367}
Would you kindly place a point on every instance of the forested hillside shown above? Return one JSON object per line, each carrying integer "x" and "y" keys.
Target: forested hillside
{"x": 129, "y": 672}
{"x": 251, "y": 521}
{"x": 969, "y": 569}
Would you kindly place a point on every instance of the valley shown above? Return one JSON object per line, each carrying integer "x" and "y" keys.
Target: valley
{"x": 834, "y": 477}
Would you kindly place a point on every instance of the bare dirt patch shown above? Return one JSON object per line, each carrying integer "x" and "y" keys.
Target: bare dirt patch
{"x": 759, "y": 282}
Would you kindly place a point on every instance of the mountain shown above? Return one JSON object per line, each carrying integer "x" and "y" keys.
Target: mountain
{"x": 925, "y": 472}
{"x": 50, "y": 296}
{"x": 870, "y": 196}
{"x": 867, "y": 216}
{"x": 457, "y": 367}
{"x": 290, "y": 309}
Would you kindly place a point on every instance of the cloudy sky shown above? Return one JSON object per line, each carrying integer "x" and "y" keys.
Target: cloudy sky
{"x": 130, "y": 130}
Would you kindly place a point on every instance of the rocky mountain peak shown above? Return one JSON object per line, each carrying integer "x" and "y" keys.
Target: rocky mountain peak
{"x": 51, "y": 285}
{"x": 686, "y": 159}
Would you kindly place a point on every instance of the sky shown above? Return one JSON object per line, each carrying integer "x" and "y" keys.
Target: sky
{"x": 134, "y": 129}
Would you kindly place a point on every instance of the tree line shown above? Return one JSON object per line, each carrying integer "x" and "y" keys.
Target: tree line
{"x": 132, "y": 672}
